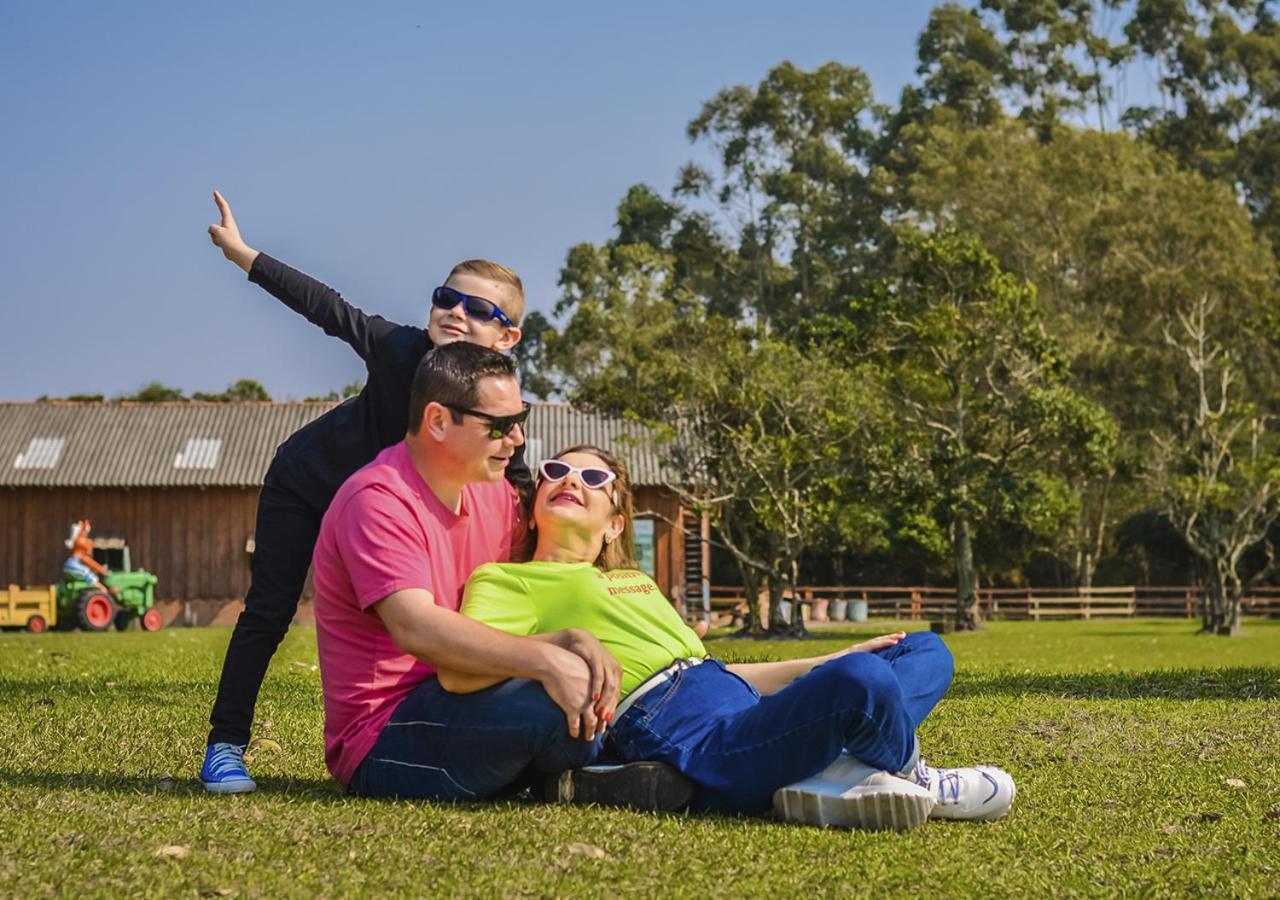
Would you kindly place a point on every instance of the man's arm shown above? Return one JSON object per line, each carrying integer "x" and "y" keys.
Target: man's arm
{"x": 314, "y": 300}
{"x": 606, "y": 674}
{"x": 456, "y": 681}
{"x": 452, "y": 642}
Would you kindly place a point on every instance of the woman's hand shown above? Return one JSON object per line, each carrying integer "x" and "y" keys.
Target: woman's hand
{"x": 606, "y": 674}
{"x": 878, "y": 643}
{"x": 226, "y": 236}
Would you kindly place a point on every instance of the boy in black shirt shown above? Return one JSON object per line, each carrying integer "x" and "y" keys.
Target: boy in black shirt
{"x": 481, "y": 302}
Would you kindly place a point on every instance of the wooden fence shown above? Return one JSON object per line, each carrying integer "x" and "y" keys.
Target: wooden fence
{"x": 1004, "y": 603}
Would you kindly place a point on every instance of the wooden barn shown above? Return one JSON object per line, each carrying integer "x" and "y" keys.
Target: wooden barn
{"x": 179, "y": 483}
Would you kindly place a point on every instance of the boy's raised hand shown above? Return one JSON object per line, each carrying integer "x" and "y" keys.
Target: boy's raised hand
{"x": 226, "y": 236}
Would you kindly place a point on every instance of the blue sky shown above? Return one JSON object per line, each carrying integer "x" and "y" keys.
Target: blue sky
{"x": 371, "y": 145}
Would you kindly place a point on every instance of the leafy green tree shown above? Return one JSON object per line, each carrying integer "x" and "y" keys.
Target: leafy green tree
{"x": 342, "y": 393}
{"x": 792, "y": 189}
{"x": 991, "y": 419}
{"x": 1212, "y": 67}
{"x": 155, "y": 392}
{"x": 813, "y": 188}
{"x": 764, "y": 442}
{"x": 962, "y": 68}
{"x": 1258, "y": 170}
{"x": 1059, "y": 57}
{"x": 536, "y": 377}
{"x": 754, "y": 432}
{"x": 1219, "y": 65}
{"x": 1116, "y": 238}
{"x": 242, "y": 391}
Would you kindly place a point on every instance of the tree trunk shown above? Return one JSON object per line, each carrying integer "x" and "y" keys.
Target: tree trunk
{"x": 777, "y": 624}
{"x": 740, "y": 546}
{"x": 1201, "y": 575}
{"x": 751, "y": 586}
{"x": 1230, "y": 625}
{"x": 968, "y": 616}
{"x": 1224, "y": 590}
{"x": 796, "y": 628}
{"x": 1091, "y": 560}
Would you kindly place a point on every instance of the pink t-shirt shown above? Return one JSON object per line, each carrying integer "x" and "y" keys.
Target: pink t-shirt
{"x": 386, "y": 531}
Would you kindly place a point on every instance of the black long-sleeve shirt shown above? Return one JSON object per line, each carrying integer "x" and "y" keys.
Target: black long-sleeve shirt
{"x": 321, "y": 455}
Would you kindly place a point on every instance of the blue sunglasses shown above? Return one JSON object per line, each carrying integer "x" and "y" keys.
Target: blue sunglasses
{"x": 476, "y": 307}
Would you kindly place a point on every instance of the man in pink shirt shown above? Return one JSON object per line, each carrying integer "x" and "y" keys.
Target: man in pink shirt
{"x": 395, "y": 549}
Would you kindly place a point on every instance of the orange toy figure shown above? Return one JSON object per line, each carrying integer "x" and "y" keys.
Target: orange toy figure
{"x": 81, "y": 562}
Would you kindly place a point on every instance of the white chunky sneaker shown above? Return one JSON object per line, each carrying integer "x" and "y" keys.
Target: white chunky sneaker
{"x": 980, "y": 794}
{"x": 848, "y": 794}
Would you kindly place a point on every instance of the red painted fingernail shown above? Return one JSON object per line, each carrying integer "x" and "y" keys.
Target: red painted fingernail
{"x": 595, "y": 696}
{"x": 609, "y": 717}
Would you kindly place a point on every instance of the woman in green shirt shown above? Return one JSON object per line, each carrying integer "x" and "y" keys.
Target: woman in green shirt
{"x": 826, "y": 740}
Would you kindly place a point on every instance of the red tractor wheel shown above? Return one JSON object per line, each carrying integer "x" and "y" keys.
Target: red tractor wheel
{"x": 95, "y": 610}
{"x": 37, "y": 625}
{"x": 151, "y": 620}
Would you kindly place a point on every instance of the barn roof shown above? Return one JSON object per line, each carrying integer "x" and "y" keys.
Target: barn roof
{"x": 138, "y": 445}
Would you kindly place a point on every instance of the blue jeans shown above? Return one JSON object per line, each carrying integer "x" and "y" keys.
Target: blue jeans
{"x": 740, "y": 747}
{"x": 443, "y": 746}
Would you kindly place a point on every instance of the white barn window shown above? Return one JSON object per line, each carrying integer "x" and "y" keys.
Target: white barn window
{"x": 199, "y": 453}
{"x": 41, "y": 453}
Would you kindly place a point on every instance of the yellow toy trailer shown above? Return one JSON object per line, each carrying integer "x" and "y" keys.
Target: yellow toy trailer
{"x": 35, "y": 609}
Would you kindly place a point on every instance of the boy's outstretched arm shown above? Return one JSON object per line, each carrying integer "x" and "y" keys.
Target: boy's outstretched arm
{"x": 317, "y": 302}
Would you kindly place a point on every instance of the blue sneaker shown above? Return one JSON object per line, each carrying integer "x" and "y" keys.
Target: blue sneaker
{"x": 223, "y": 771}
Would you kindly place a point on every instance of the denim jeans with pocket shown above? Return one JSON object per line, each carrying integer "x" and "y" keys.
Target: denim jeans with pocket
{"x": 740, "y": 747}
{"x": 443, "y": 746}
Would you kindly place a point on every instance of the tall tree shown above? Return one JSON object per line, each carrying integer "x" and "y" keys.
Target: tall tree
{"x": 1116, "y": 238}
{"x": 792, "y": 188}
{"x": 962, "y": 68}
{"x": 1218, "y": 474}
{"x": 985, "y": 393}
{"x": 757, "y": 434}
{"x": 1060, "y": 58}
{"x": 536, "y": 377}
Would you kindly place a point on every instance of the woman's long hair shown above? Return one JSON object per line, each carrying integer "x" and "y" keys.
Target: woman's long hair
{"x": 620, "y": 553}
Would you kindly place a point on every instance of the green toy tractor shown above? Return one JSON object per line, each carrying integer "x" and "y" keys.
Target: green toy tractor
{"x": 83, "y": 603}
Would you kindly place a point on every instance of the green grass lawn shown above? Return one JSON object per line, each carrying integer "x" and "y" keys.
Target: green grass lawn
{"x": 1147, "y": 761}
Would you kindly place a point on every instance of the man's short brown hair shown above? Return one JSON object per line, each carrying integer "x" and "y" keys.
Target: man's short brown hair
{"x": 484, "y": 268}
{"x": 451, "y": 376}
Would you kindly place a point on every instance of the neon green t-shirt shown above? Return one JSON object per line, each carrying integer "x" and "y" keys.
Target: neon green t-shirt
{"x": 623, "y": 608}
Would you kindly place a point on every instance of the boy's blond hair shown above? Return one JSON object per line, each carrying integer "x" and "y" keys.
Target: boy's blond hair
{"x": 484, "y": 268}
